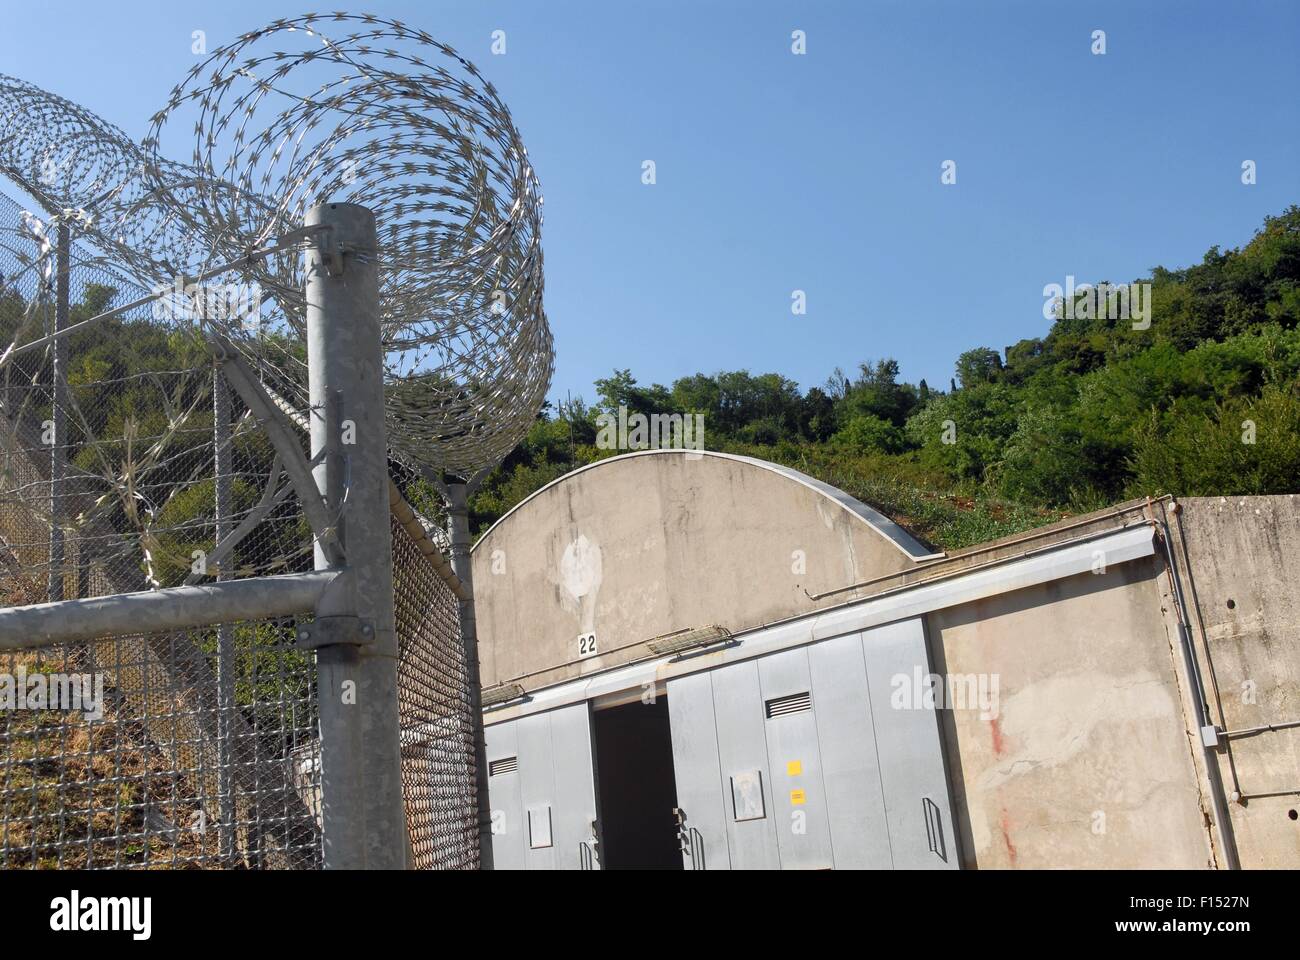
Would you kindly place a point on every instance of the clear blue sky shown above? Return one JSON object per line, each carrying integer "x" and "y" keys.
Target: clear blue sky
{"x": 819, "y": 172}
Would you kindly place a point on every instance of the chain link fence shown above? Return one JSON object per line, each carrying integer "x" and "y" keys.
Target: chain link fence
{"x": 126, "y": 464}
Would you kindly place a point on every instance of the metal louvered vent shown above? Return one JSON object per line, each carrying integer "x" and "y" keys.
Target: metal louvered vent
{"x": 504, "y": 765}
{"x": 783, "y": 706}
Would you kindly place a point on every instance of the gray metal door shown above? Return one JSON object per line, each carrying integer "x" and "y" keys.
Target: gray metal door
{"x": 799, "y": 760}
{"x": 720, "y": 761}
{"x": 504, "y": 796}
{"x": 846, "y": 735}
{"x": 703, "y": 827}
{"x": 541, "y": 784}
{"x": 912, "y": 774}
{"x": 794, "y": 757}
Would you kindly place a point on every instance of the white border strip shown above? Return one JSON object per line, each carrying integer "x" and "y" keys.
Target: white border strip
{"x": 1128, "y": 543}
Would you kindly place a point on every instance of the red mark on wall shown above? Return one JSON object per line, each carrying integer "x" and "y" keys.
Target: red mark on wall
{"x": 999, "y": 745}
{"x": 1006, "y": 836}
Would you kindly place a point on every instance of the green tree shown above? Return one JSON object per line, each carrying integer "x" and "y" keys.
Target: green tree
{"x": 980, "y": 365}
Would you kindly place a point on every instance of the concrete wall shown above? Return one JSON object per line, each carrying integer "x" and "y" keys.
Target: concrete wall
{"x": 1086, "y": 762}
{"x": 639, "y": 546}
{"x": 1241, "y": 576}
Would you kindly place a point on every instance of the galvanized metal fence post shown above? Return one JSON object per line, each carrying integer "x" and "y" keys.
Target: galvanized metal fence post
{"x": 59, "y": 415}
{"x": 458, "y": 522}
{"x": 221, "y": 461}
{"x": 363, "y": 819}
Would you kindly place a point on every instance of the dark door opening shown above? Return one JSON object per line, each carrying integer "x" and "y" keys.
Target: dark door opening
{"x": 636, "y": 787}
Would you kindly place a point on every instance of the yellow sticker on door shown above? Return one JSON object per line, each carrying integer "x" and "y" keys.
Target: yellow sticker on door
{"x": 796, "y": 797}
{"x": 793, "y": 768}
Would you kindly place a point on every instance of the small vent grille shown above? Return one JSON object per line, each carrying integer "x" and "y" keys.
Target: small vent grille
{"x": 784, "y": 706}
{"x": 504, "y": 765}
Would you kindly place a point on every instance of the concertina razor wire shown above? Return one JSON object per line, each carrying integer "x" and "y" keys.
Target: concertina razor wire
{"x": 384, "y": 116}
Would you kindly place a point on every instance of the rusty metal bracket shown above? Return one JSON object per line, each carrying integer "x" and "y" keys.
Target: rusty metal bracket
{"x": 331, "y": 252}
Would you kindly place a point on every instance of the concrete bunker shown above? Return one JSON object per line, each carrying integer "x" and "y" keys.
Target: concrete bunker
{"x": 706, "y": 661}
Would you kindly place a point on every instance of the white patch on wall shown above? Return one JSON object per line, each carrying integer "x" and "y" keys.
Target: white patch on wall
{"x": 580, "y": 568}
{"x": 581, "y": 572}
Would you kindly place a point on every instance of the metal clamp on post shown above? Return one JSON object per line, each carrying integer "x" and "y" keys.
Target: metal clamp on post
{"x": 333, "y": 631}
{"x": 336, "y": 622}
{"x": 331, "y": 252}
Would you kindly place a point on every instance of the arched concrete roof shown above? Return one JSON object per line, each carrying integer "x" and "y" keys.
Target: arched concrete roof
{"x": 911, "y": 548}
{"x": 648, "y": 543}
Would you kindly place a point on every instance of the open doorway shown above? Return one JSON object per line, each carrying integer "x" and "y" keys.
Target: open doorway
{"x": 636, "y": 787}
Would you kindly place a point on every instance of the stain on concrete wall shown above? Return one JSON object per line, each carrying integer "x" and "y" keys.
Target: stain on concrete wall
{"x": 1087, "y": 761}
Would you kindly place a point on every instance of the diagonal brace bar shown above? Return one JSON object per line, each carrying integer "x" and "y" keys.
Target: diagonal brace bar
{"x": 397, "y": 503}
{"x": 286, "y": 444}
{"x": 226, "y": 545}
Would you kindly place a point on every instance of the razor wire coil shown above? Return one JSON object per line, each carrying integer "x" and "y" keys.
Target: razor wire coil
{"x": 384, "y": 116}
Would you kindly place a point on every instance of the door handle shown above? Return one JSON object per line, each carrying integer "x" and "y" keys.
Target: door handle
{"x": 588, "y": 850}
{"x": 697, "y": 850}
{"x": 934, "y": 828}
{"x": 689, "y": 840}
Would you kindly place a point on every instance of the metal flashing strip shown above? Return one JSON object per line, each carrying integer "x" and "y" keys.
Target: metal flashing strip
{"x": 1122, "y": 546}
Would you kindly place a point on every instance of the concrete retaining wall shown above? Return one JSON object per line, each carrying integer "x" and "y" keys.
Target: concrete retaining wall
{"x": 1241, "y": 575}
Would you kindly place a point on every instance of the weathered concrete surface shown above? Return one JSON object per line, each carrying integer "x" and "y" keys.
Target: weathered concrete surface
{"x": 1087, "y": 762}
{"x": 642, "y": 545}
{"x": 1242, "y": 583}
